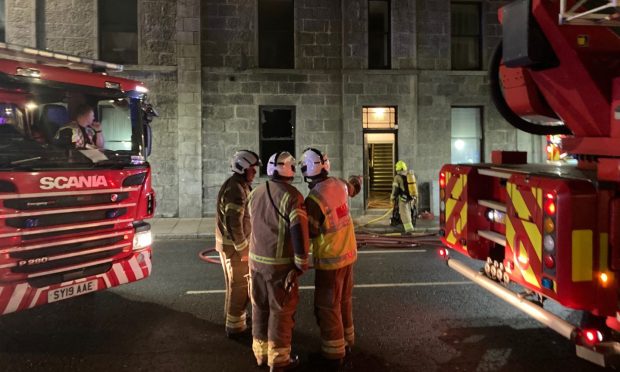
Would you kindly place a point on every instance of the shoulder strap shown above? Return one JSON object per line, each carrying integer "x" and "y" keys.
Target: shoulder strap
{"x": 285, "y": 218}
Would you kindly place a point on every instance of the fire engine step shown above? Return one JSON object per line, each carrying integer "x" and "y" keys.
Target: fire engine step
{"x": 493, "y": 205}
{"x": 493, "y": 236}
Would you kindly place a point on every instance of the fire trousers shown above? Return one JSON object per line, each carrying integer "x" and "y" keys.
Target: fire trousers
{"x": 273, "y": 318}
{"x": 333, "y": 307}
{"x": 237, "y": 297}
{"x": 404, "y": 209}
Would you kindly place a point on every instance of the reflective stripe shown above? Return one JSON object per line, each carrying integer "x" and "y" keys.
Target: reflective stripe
{"x": 282, "y": 225}
{"x": 334, "y": 260}
{"x": 236, "y": 323}
{"x": 270, "y": 260}
{"x": 297, "y": 214}
{"x": 242, "y": 246}
{"x": 223, "y": 240}
{"x": 334, "y": 347}
{"x": 260, "y": 348}
{"x": 301, "y": 261}
{"x": 349, "y": 336}
{"x": 278, "y": 356}
{"x": 233, "y": 207}
{"x": 408, "y": 226}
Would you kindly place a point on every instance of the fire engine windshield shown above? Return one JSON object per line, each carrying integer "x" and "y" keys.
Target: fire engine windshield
{"x": 65, "y": 129}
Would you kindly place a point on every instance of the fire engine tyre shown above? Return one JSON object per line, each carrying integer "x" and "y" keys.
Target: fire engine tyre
{"x": 502, "y": 106}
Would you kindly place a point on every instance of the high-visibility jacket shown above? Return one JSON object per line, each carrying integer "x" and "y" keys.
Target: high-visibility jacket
{"x": 279, "y": 240}
{"x": 404, "y": 186}
{"x": 332, "y": 236}
{"x": 233, "y": 226}
{"x": 79, "y": 136}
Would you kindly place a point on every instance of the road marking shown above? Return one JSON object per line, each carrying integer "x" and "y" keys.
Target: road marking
{"x": 371, "y": 252}
{"x": 377, "y": 285}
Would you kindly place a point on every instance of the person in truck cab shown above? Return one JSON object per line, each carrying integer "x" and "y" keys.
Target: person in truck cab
{"x": 84, "y": 132}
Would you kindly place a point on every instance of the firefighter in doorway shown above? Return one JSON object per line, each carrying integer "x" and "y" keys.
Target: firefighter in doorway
{"x": 232, "y": 232}
{"x": 334, "y": 251}
{"x": 278, "y": 255}
{"x": 404, "y": 196}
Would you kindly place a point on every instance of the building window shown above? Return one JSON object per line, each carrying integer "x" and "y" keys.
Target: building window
{"x": 379, "y": 118}
{"x": 466, "y": 135}
{"x": 379, "y": 34}
{"x": 118, "y": 31}
{"x": 276, "y": 46}
{"x": 2, "y": 21}
{"x": 466, "y": 41}
{"x": 277, "y": 132}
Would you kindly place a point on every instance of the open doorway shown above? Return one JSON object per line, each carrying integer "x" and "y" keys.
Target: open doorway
{"x": 380, "y": 149}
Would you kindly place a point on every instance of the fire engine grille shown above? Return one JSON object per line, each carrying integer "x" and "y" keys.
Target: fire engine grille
{"x": 60, "y": 233}
{"x": 30, "y": 204}
{"x": 65, "y": 218}
{"x": 64, "y": 249}
{"x": 52, "y": 279}
{"x": 51, "y": 265}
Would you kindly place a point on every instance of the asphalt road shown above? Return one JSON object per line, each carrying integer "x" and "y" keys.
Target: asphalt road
{"x": 412, "y": 313}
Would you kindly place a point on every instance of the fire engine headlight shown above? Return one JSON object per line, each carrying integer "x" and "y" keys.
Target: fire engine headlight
{"x": 142, "y": 239}
{"x": 549, "y": 243}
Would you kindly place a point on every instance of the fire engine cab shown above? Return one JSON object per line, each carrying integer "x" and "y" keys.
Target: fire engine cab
{"x": 71, "y": 217}
{"x": 553, "y": 230}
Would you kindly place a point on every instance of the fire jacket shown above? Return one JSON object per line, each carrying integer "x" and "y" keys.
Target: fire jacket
{"x": 332, "y": 235}
{"x": 77, "y": 135}
{"x": 233, "y": 225}
{"x": 279, "y": 240}
{"x": 404, "y": 186}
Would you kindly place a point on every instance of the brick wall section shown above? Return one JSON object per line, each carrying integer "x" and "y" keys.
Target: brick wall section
{"x": 20, "y": 20}
{"x": 189, "y": 109}
{"x": 355, "y": 34}
{"x": 229, "y": 33}
{"x": 231, "y": 102}
{"x": 69, "y": 26}
{"x": 158, "y": 32}
{"x": 318, "y": 34}
{"x": 403, "y": 34}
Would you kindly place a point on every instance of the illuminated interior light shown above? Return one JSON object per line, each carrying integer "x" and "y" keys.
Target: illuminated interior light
{"x": 459, "y": 144}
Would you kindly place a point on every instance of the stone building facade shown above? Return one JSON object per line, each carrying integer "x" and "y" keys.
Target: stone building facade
{"x": 200, "y": 61}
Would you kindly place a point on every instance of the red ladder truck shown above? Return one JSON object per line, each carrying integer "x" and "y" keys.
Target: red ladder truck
{"x": 71, "y": 219}
{"x": 552, "y": 229}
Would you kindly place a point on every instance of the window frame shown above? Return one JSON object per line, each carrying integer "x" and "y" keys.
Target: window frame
{"x": 480, "y": 109}
{"x": 259, "y": 44}
{"x": 100, "y": 33}
{"x": 388, "y": 65}
{"x": 480, "y": 36}
{"x": 261, "y": 139}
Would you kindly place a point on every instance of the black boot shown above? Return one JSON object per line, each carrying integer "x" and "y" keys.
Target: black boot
{"x": 293, "y": 363}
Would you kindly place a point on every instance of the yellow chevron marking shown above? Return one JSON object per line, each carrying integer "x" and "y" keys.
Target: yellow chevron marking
{"x": 510, "y": 234}
{"x": 528, "y": 274}
{"x": 450, "y": 204}
{"x": 451, "y": 238}
{"x": 517, "y": 201}
{"x": 463, "y": 219}
{"x": 539, "y": 198}
{"x": 582, "y": 255}
{"x": 604, "y": 252}
{"x": 535, "y": 237}
{"x": 458, "y": 188}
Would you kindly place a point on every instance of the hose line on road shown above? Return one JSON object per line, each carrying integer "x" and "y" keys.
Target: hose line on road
{"x": 203, "y": 255}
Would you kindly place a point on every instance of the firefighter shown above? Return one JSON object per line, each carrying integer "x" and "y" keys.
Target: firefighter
{"x": 334, "y": 250}
{"x": 232, "y": 234}
{"x": 278, "y": 255}
{"x": 404, "y": 195}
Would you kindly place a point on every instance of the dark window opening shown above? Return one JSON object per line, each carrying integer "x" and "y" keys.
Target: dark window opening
{"x": 118, "y": 31}
{"x": 276, "y": 45}
{"x": 277, "y": 132}
{"x": 2, "y": 21}
{"x": 379, "y": 53}
{"x": 466, "y": 40}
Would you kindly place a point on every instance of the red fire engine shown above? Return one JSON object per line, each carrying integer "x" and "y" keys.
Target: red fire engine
{"x": 553, "y": 230}
{"x": 71, "y": 219}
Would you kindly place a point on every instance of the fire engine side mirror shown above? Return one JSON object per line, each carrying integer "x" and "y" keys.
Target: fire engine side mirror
{"x": 148, "y": 139}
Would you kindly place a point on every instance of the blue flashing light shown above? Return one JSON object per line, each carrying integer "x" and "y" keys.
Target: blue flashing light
{"x": 31, "y": 222}
{"x": 547, "y": 283}
{"x": 112, "y": 213}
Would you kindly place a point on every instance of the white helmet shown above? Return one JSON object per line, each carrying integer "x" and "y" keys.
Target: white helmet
{"x": 281, "y": 164}
{"x": 243, "y": 159}
{"x": 313, "y": 162}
